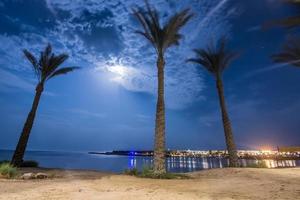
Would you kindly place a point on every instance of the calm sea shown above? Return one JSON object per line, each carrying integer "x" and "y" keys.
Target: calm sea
{"x": 111, "y": 163}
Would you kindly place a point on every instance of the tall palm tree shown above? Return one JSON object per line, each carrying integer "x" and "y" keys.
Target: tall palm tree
{"x": 290, "y": 53}
{"x": 215, "y": 59}
{"x": 161, "y": 37}
{"x": 47, "y": 67}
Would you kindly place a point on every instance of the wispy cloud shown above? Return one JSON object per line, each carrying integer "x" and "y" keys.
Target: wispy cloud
{"x": 86, "y": 113}
{"x": 143, "y": 118}
{"x": 10, "y": 80}
{"x": 254, "y": 28}
{"x": 270, "y": 68}
{"x": 213, "y": 12}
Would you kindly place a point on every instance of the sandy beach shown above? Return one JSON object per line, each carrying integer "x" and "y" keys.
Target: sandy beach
{"x": 215, "y": 184}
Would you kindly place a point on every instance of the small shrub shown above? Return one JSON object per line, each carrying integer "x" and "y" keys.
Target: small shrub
{"x": 259, "y": 164}
{"x": 132, "y": 172}
{"x": 148, "y": 172}
{"x": 30, "y": 163}
{"x": 7, "y": 170}
{"x": 166, "y": 176}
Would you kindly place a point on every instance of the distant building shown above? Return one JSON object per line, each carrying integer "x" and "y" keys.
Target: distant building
{"x": 289, "y": 149}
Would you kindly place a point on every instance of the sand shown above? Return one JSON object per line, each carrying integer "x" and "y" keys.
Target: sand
{"x": 215, "y": 184}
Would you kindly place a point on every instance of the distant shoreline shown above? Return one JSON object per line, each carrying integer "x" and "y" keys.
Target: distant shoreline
{"x": 213, "y": 155}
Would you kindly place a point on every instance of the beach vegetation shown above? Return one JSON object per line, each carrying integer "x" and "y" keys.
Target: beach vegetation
{"x": 7, "y": 170}
{"x": 258, "y": 164}
{"x": 131, "y": 172}
{"x": 149, "y": 172}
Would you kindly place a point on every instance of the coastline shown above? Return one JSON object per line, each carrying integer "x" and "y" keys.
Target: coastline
{"x": 219, "y": 184}
{"x": 216, "y": 155}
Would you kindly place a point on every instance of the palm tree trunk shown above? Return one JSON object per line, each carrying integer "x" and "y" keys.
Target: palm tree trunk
{"x": 159, "y": 146}
{"x": 17, "y": 158}
{"x": 231, "y": 148}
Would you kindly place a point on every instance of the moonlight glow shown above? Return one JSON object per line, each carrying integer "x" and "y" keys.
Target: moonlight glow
{"x": 120, "y": 72}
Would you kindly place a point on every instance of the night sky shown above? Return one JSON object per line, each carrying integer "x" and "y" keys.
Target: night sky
{"x": 110, "y": 103}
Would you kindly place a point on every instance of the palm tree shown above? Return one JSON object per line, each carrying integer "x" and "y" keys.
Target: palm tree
{"x": 45, "y": 68}
{"x": 288, "y": 22}
{"x": 290, "y": 53}
{"x": 161, "y": 37}
{"x": 215, "y": 59}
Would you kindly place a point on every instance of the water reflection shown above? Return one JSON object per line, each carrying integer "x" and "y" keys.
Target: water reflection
{"x": 131, "y": 162}
{"x": 112, "y": 163}
{"x": 280, "y": 163}
{"x": 189, "y": 164}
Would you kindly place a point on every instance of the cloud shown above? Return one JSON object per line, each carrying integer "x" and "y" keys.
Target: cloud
{"x": 144, "y": 118}
{"x": 101, "y": 34}
{"x": 270, "y": 68}
{"x": 208, "y": 18}
{"x": 86, "y": 113}
{"x": 10, "y": 80}
{"x": 254, "y": 28}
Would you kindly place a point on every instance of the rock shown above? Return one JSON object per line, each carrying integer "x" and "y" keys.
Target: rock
{"x": 28, "y": 176}
{"x": 41, "y": 176}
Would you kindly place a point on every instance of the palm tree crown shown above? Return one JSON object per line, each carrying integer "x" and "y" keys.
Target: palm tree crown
{"x": 48, "y": 64}
{"x": 161, "y": 37}
{"x": 290, "y": 53}
{"x": 214, "y": 58}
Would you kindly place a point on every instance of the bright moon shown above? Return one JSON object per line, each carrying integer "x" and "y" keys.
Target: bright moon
{"x": 118, "y": 70}
{"x": 120, "y": 73}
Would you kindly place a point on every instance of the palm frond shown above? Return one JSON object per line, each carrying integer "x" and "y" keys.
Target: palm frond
{"x": 154, "y": 17}
{"x": 171, "y": 29}
{"x": 287, "y": 22}
{"x": 30, "y": 57}
{"x": 62, "y": 71}
{"x": 44, "y": 60}
{"x": 147, "y": 36}
{"x": 290, "y": 53}
{"x": 214, "y": 58}
{"x": 53, "y": 63}
{"x": 48, "y": 50}
{"x": 48, "y": 64}
{"x": 161, "y": 37}
{"x": 151, "y": 27}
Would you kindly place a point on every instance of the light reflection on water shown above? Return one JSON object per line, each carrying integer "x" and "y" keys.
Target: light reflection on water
{"x": 112, "y": 163}
{"x": 189, "y": 164}
{"x": 280, "y": 163}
